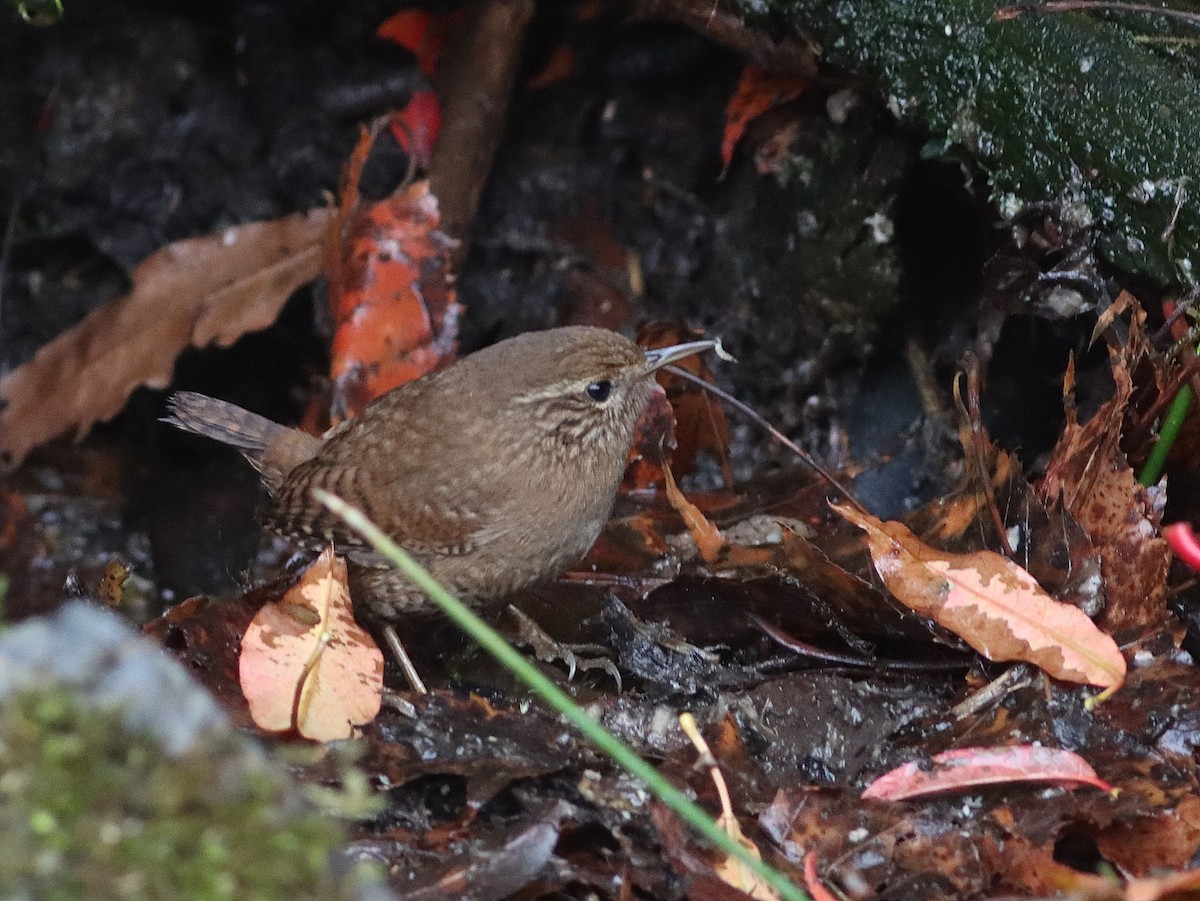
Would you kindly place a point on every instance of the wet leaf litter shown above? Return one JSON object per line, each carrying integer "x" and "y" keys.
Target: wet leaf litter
{"x": 820, "y": 649}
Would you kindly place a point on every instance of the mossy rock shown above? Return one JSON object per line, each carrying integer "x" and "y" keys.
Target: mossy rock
{"x": 1098, "y": 112}
{"x": 102, "y": 796}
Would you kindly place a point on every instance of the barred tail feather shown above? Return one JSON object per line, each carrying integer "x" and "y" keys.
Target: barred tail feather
{"x": 273, "y": 449}
{"x": 222, "y": 421}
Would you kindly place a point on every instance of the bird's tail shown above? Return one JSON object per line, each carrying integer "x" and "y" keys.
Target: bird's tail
{"x": 273, "y": 449}
{"x": 222, "y": 421}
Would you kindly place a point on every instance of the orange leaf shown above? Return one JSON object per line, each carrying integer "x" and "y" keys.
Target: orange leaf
{"x": 306, "y": 664}
{"x": 992, "y": 604}
{"x": 708, "y": 537}
{"x": 812, "y": 883}
{"x": 757, "y": 91}
{"x": 966, "y": 768}
{"x": 394, "y": 300}
{"x": 209, "y": 290}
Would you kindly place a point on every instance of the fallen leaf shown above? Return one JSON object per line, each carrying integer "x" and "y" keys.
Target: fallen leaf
{"x": 393, "y": 299}
{"x": 209, "y": 290}
{"x": 421, "y": 32}
{"x": 757, "y": 91}
{"x": 306, "y": 665}
{"x": 992, "y": 604}
{"x": 1089, "y": 475}
{"x": 811, "y": 880}
{"x": 700, "y": 423}
{"x": 416, "y": 127}
{"x": 112, "y": 583}
{"x": 995, "y": 507}
{"x": 731, "y": 871}
{"x": 1182, "y": 540}
{"x": 653, "y": 437}
{"x": 708, "y": 537}
{"x": 965, "y": 768}
{"x": 1165, "y": 839}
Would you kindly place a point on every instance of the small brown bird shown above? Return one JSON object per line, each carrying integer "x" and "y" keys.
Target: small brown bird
{"x": 495, "y": 473}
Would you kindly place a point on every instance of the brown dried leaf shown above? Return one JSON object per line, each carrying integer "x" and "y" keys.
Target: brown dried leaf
{"x": 700, "y": 423}
{"x": 992, "y": 604}
{"x": 1089, "y": 475}
{"x": 1164, "y": 840}
{"x": 306, "y": 664}
{"x": 196, "y": 292}
{"x": 1049, "y": 544}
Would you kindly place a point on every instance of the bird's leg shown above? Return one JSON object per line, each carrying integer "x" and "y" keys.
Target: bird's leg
{"x": 549, "y": 650}
{"x": 400, "y": 655}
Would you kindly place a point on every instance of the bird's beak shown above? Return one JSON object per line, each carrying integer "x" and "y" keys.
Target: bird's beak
{"x": 663, "y": 356}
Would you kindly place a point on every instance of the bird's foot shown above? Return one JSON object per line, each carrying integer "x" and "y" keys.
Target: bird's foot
{"x": 550, "y": 650}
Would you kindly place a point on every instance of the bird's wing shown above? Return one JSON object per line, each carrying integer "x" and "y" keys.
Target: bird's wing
{"x": 423, "y": 518}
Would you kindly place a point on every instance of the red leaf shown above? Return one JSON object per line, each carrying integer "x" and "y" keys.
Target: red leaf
{"x": 421, "y": 32}
{"x": 416, "y": 126}
{"x": 966, "y": 768}
{"x": 757, "y": 92}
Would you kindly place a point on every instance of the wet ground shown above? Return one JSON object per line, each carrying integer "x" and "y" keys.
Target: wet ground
{"x": 848, "y": 281}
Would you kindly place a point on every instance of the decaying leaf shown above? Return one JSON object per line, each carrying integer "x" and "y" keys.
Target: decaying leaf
{"x": 992, "y": 604}
{"x": 731, "y": 871}
{"x": 653, "y": 439}
{"x": 707, "y": 536}
{"x": 757, "y": 91}
{"x": 812, "y": 882}
{"x": 700, "y": 423}
{"x": 1165, "y": 839}
{"x": 1049, "y": 544}
{"x": 306, "y": 665}
{"x": 1089, "y": 475}
{"x": 393, "y": 299}
{"x": 966, "y": 768}
{"x": 209, "y": 290}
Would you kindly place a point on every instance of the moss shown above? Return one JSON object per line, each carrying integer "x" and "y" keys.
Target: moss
{"x": 1076, "y": 107}
{"x": 90, "y": 810}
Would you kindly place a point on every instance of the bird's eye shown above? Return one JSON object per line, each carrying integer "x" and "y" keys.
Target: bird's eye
{"x": 599, "y": 391}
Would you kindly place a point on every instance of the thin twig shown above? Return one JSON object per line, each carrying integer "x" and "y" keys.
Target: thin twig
{"x": 5, "y": 250}
{"x": 773, "y": 432}
{"x": 970, "y": 418}
{"x": 1190, "y": 370}
{"x": 1004, "y": 13}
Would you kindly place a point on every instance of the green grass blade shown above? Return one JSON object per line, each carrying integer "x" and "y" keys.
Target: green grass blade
{"x": 552, "y": 695}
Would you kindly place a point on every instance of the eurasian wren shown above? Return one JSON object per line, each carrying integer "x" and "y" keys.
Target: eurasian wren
{"x": 495, "y": 473}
